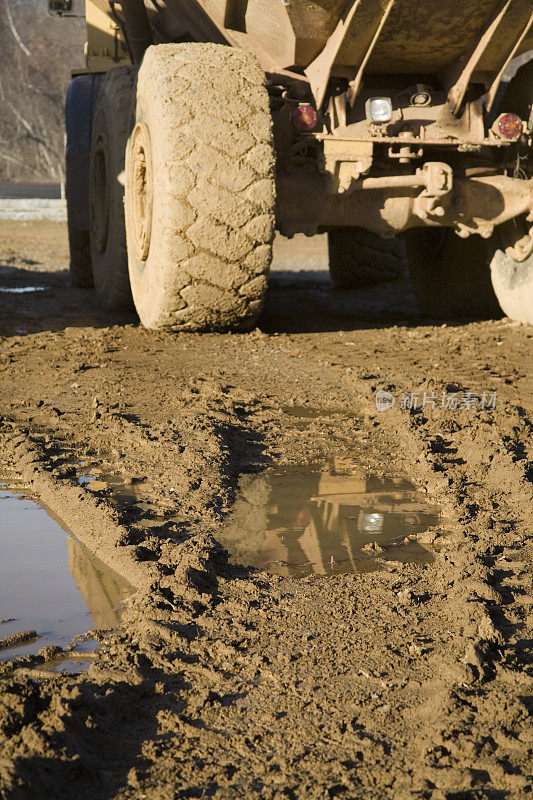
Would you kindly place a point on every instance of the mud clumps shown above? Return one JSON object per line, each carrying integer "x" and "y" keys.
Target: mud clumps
{"x": 199, "y": 564}
{"x": 22, "y": 637}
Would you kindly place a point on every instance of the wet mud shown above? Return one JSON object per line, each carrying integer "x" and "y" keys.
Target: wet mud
{"x": 174, "y": 458}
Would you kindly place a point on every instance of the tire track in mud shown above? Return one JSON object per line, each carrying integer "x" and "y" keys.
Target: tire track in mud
{"x": 406, "y": 681}
{"x": 481, "y": 472}
{"x": 482, "y": 586}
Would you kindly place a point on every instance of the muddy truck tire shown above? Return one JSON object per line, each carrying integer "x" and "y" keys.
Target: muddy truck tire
{"x": 106, "y": 196}
{"x": 513, "y": 284}
{"x": 359, "y": 258}
{"x": 513, "y": 280}
{"x": 79, "y": 112}
{"x": 200, "y": 189}
{"x": 450, "y": 276}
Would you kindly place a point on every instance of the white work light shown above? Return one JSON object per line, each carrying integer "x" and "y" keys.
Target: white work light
{"x": 379, "y": 109}
{"x": 372, "y": 523}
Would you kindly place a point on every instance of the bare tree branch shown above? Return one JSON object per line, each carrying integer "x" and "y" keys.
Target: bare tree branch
{"x": 14, "y": 30}
{"x": 19, "y": 161}
{"x": 32, "y": 89}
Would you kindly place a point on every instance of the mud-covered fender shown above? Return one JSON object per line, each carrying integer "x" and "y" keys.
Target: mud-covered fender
{"x": 79, "y": 112}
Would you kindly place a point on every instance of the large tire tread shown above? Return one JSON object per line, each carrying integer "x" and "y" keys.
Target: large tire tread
{"x": 359, "y": 258}
{"x": 513, "y": 280}
{"x": 218, "y": 229}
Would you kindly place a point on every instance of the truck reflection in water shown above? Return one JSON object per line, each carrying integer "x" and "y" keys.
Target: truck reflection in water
{"x": 49, "y": 582}
{"x": 326, "y": 520}
{"x": 102, "y": 589}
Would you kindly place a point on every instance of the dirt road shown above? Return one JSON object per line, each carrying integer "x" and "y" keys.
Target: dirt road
{"x": 408, "y": 681}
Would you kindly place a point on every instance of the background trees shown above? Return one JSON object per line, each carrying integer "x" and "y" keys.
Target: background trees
{"x": 37, "y": 54}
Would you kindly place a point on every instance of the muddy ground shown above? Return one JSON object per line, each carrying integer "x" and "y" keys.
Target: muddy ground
{"x": 226, "y": 682}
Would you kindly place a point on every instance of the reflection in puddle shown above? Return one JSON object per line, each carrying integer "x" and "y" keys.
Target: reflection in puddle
{"x": 66, "y": 666}
{"x": 102, "y": 475}
{"x": 326, "y": 520}
{"x": 50, "y": 582}
{"x": 84, "y": 646}
{"x": 99, "y": 479}
{"x": 101, "y": 587}
{"x": 119, "y": 490}
{"x": 303, "y": 412}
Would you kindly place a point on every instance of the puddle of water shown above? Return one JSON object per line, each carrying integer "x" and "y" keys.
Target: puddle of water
{"x": 49, "y": 582}
{"x": 97, "y": 479}
{"x": 121, "y": 492}
{"x": 85, "y": 646}
{"x": 71, "y": 666}
{"x": 302, "y": 416}
{"x": 326, "y": 519}
{"x": 310, "y": 413}
{"x": 66, "y": 666}
{"x": 100, "y": 474}
{"x": 22, "y": 289}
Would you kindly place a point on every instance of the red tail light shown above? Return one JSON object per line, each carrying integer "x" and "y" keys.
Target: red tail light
{"x": 305, "y": 118}
{"x": 509, "y": 126}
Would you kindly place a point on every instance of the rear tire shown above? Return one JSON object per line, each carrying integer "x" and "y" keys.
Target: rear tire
{"x": 107, "y": 227}
{"x": 79, "y": 111}
{"x": 450, "y": 276}
{"x": 200, "y": 189}
{"x": 359, "y": 258}
{"x": 513, "y": 280}
{"x": 81, "y": 274}
{"x": 513, "y": 284}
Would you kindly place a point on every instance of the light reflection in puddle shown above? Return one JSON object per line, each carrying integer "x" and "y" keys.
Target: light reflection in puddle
{"x": 326, "y": 520}
{"x": 48, "y": 580}
{"x": 101, "y": 474}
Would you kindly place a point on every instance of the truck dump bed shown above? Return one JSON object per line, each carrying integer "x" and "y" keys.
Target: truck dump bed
{"x": 403, "y": 35}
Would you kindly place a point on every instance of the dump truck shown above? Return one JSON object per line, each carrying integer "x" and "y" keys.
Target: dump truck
{"x": 201, "y": 127}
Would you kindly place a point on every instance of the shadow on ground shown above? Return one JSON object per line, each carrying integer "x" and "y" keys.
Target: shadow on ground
{"x": 301, "y": 301}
